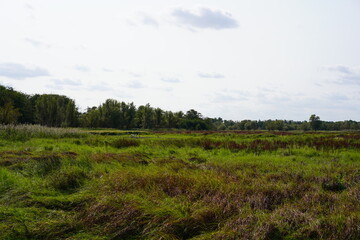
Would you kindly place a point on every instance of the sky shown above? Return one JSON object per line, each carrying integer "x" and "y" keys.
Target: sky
{"x": 258, "y": 59}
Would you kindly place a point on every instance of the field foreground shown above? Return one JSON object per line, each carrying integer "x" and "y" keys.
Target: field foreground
{"x": 179, "y": 185}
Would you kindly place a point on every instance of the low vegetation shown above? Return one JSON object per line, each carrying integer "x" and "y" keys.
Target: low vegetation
{"x": 102, "y": 184}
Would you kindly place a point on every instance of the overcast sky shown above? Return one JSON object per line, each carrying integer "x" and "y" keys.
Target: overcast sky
{"x": 269, "y": 59}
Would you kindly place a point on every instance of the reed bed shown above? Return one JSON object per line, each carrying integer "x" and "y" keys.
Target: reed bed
{"x": 25, "y": 132}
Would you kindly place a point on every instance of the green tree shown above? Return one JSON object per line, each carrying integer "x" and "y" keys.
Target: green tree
{"x": 128, "y": 112}
{"x": 19, "y": 101}
{"x": 55, "y": 110}
{"x": 158, "y": 117}
{"x": 111, "y": 114}
{"x": 192, "y": 114}
{"x": 9, "y": 114}
{"x": 304, "y": 126}
{"x": 170, "y": 119}
{"x": 248, "y": 125}
{"x": 145, "y": 116}
{"x": 91, "y": 118}
{"x": 71, "y": 115}
{"x": 315, "y": 122}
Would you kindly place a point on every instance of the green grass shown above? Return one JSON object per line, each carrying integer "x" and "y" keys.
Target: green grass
{"x": 178, "y": 185}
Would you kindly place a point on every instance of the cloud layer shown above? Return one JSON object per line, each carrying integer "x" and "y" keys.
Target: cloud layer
{"x": 18, "y": 71}
{"x": 204, "y": 18}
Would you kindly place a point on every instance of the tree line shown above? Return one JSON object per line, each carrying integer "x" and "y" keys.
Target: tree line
{"x": 60, "y": 111}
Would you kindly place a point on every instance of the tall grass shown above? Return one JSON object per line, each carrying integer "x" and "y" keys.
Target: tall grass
{"x": 25, "y": 132}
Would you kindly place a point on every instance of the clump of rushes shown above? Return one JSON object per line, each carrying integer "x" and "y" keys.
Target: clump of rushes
{"x": 68, "y": 179}
{"x": 335, "y": 184}
{"x": 123, "y": 143}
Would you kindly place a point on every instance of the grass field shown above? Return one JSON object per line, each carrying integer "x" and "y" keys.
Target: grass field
{"x": 103, "y": 184}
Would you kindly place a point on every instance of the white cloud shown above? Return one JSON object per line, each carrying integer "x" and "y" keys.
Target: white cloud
{"x": 170, "y": 80}
{"x": 150, "y": 21}
{"x": 18, "y": 71}
{"x": 211, "y": 75}
{"x": 135, "y": 84}
{"x": 108, "y": 70}
{"x": 204, "y": 18}
{"x": 135, "y": 75}
{"x": 340, "y": 68}
{"x": 28, "y": 6}
{"x": 142, "y": 18}
{"x": 37, "y": 43}
{"x": 60, "y": 84}
{"x": 230, "y": 96}
{"x": 68, "y": 82}
{"x": 101, "y": 87}
{"x": 345, "y": 74}
{"x": 82, "y": 68}
{"x": 196, "y": 18}
{"x": 164, "y": 89}
{"x": 337, "y": 97}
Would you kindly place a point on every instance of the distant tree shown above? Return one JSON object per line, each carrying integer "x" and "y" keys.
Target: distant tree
{"x": 269, "y": 125}
{"x": 315, "y": 122}
{"x": 304, "y": 126}
{"x": 192, "y": 114}
{"x": 179, "y": 115}
{"x": 158, "y": 117}
{"x": 279, "y": 125}
{"x": 170, "y": 119}
{"x": 90, "y": 119}
{"x": 194, "y": 124}
{"x": 9, "y": 114}
{"x": 47, "y": 112}
{"x": 61, "y": 111}
{"x": 249, "y": 125}
{"x": 19, "y": 101}
{"x": 241, "y": 124}
{"x": 221, "y": 127}
{"x": 55, "y": 111}
{"x": 145, "y": 116}
{"x": 110, "y": 114}
{"x": 71, "y": 115}
{"x": 128, "y": 113}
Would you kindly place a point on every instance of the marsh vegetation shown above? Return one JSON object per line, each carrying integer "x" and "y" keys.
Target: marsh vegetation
{"x": 75, "y": 184}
